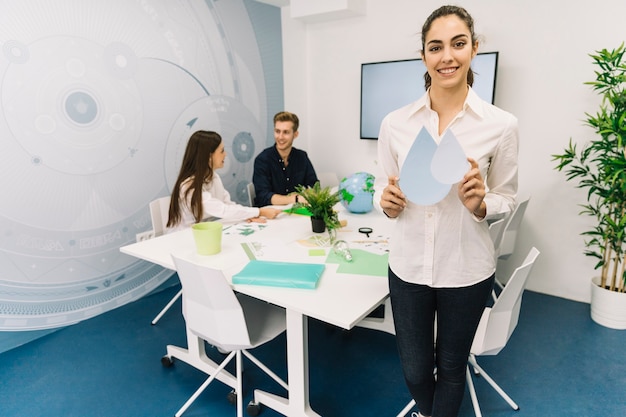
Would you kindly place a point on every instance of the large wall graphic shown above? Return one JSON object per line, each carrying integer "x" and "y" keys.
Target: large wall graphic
{"x": 98, "y": 99}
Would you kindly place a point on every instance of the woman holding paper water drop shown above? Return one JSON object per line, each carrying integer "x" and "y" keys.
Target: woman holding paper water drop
{"x": 199, "y": 189}
{"x": 442, "y": 260}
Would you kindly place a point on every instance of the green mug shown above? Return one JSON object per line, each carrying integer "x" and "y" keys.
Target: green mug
{"x": 208, "y": 237}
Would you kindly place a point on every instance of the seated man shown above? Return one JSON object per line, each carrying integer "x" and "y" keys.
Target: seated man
{"x": 280, "y": 168}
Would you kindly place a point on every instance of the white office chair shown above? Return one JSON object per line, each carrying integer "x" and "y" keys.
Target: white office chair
{"x": 496, "y": 231}
{"x": 232, "y": 322}
{"x": 494, "y": 330}
{"x": 159, "y": 213}
{"x": 251, "y": 194}
{"x": 508, "y": 240}
{"x": 509, "y": 237}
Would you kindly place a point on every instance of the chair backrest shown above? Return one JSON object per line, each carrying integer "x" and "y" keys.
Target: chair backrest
{"x": 210, "y": 307}
{"x": 496, "y": 231}
{"x": 499, "y": 321}
{"x": 159, "y": 212}
{"x": 510, "y": 231}
{"x": 251, "y": 194}
{"x": 328, "y": 179}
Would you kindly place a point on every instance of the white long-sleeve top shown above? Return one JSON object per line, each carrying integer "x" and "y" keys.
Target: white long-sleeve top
{"x": 216, "y": 202}
{"x": 444, "y": 245}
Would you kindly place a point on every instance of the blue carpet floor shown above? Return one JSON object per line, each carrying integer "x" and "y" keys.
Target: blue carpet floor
{"x": 557, "y": 363}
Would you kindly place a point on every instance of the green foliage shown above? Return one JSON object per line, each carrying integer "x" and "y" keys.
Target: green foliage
{"x": 320, "y": 202}
{"x": 599, "y": 167}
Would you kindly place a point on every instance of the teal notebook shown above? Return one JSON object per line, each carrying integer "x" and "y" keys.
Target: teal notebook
{"x": 280, "y": 274}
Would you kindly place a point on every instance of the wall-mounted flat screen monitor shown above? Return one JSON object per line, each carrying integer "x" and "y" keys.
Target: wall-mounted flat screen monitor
{"x": 387, "y": 86}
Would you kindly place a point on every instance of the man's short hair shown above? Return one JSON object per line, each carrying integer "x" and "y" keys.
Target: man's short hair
{"x": 285, "y": 116}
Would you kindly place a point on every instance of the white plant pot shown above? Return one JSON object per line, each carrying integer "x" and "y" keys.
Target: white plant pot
{"x": 608, "y": 308}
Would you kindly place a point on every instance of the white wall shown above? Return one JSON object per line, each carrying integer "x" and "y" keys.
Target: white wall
{"x": 543, "y": 64}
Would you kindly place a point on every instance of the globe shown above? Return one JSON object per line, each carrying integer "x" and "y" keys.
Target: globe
{"x": 357, "y": 192}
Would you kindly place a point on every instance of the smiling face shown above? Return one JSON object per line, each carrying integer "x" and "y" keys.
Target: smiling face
{"x": 448, "y": 52}
{"x": 218, "y": 157}
{"x": 284, "y": 136}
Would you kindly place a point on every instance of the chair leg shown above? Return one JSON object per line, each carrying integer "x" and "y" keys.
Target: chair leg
{"x": 406, "y": 409}
{"x": 498, "y": 284}
{"x": 167, "y": 307}
{"x": 206, "y": 384}
{"x": 504, "y": 395}
{"x": 472, "y": 391}
{"x": 239, "y": 386}
{"x": 265, "y": 369}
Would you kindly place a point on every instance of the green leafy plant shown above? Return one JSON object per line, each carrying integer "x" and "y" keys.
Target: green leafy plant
{"x": 320, "y": 202}
{"x": 599, "y": 167}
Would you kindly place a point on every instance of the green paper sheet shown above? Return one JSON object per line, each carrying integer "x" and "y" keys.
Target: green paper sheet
{"x": 299, "y": 210}
{"x": 363, "y": 263}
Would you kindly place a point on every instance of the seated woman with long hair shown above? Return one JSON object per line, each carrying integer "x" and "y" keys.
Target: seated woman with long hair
{"x": 199, "y": 189}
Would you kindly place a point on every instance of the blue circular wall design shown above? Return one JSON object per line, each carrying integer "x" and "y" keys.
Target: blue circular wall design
{"x": 97, "y": 106}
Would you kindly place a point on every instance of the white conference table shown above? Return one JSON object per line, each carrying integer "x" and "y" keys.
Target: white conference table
{"x": 341, "y": 299}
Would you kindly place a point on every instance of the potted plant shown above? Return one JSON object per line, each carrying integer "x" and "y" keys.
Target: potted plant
{"x": 320, "y": 202}
{"x": 599, "y": 167}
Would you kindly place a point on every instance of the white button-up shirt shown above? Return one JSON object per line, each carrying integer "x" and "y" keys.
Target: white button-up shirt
{"x": 444, "y": 245}
{"x": 216, "y": 202}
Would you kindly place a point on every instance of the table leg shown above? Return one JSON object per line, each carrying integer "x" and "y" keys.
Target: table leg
{"x": 298, "y": 372}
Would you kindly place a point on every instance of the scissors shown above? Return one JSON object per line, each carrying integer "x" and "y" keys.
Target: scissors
{"x": 365, "y": 230}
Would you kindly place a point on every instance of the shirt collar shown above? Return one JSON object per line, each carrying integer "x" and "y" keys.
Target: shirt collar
{"x": 472, "y": 102}
{"x": 422, "y": 103}
{"x": 277, "y": 154}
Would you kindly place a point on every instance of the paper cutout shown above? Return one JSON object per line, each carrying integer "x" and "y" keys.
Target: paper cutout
{"x": 363, "y": 263}
{"x": 449, "y": 163}
{"x": 298, "y": 210}
{"x": 429, "y": 170}
{"x": 416, "y": 178}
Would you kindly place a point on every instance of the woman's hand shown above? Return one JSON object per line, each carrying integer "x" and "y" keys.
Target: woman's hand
{"x": 269, "y": 212}
{"x": 257, "y": 220}
{"x": 393, "y": 200}
{"x": 472, "y": 190}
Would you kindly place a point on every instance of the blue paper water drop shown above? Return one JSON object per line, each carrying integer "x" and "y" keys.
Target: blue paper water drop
{"x": 449, "y": 163}
{"x": 416, "y": 179}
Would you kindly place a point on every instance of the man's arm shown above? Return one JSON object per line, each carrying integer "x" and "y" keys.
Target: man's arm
{"x": 281, "y": 200}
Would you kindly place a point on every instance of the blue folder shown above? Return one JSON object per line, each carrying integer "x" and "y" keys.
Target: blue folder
{"x": 280, "y": 274}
